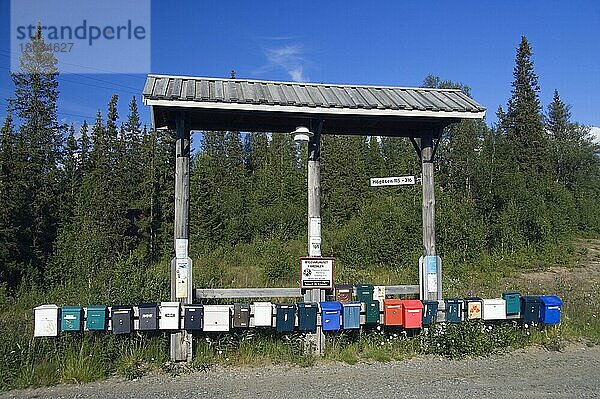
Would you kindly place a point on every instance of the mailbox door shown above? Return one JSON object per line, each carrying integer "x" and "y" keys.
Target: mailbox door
{"x": 530, "y": 309}
{"x": 454, "y": 311}
{"x": 392, "y": 312}
{"x": 263, "y": 314}
{"x": 121, "y": 320}
{"x": 192, "y": 318}
{"x": 307, "y": 317}
{"x": 148, "y": 317}
{"x": 551, "y": 307}
{"x": 372, "y": 312}
{"x": 494, "y": 309}
{"x": 71, "y": 318}
{"x": 413, "y": 318}
{"x": 216, "y": 318}
{"x": 96, "y": 318}
{"x": 351, "y": 316}
{"x": 241, "y": 315}
{"x": 513, "y": 302}
{"x": 169, "y": 316}
{"x": 429, "y": 312}
{"x": 473, "y": 310}
{"x": 286, "y": 318}
{"x": 46, "y": 321}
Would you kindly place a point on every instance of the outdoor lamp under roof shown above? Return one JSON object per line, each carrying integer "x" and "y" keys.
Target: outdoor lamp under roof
{"x": 302, "y": 134}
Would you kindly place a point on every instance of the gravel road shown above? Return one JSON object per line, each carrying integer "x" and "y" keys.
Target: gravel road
{"x": 531, "y": 373}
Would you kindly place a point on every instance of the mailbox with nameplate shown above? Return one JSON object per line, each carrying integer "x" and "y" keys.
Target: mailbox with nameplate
{"x": 148, "y": 316}
{"x": 307, "y": 316}
{"x": 344, "y": 292}
{"x": 241, "y": 315}
{"x": 192, "y": 317}
{"x": 96, "y": 318}
{"x": 71, "y": 318}
{"x": 121, "y": 319}
{"x": 169, "y": 315}
{"x": 263, "y": 314}
{"x": 331, "y": 313}
{"x": 285, "y": 317}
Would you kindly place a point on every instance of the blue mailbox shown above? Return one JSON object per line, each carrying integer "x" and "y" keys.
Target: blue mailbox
{"x": 551, "y": 307}
{"x": 430, "y": 309}
{"x": 351, "y": 315}
{"x": 330, "y": 315}
{"x": 307, "y": 316}
{"x": 454, "y": 310}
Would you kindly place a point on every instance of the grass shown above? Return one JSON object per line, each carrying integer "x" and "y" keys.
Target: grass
{"x": 78, "y": 358}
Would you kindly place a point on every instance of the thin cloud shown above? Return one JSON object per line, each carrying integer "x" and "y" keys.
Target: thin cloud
{"x": 290, "y": 58}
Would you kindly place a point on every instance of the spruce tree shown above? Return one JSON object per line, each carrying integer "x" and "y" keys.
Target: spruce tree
{"x": 523, "y": 123}
{"x": 38, "y": 156}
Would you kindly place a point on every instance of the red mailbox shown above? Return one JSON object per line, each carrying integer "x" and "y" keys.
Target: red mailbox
{"x": 392, "y": 312}
{"x": 412, "y": 313}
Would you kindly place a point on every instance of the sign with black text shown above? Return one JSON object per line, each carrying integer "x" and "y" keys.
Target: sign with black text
{"x": 316, "y": 273}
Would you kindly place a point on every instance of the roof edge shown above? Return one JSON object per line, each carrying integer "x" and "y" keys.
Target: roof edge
{"x": 152, "y": 75}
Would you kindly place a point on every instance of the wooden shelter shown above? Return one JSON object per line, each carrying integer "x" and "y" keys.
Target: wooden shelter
{"x": 184, "y": 104}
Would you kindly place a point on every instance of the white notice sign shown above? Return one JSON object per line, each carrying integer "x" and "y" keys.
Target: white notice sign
{"x": 392, "y": 181}
{"x": 316, "y": 273}
{"x": 182, "y": 275}
{"x": 181, "y": 248}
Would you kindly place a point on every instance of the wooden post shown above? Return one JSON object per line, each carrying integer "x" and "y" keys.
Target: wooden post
{"x": 315, "y": 343}
{"x": 181, "y": 342}
{"x": 430, "y": 272}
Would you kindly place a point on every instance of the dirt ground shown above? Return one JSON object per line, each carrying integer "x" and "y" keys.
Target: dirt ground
{"x": 532, "y": 373}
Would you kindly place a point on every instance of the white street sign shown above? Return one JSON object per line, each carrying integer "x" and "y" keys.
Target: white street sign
{"x": 392, "y": 181}
{"x": 316, "y": 273}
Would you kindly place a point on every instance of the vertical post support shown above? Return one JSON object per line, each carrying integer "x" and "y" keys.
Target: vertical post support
{"x": 430, "y": 271}
{"x": 315, "y": 343}
{"x": 181, "y": 341}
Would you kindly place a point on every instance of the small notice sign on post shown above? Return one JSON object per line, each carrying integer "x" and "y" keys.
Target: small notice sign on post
{"x": 392, "y": 181}
{"x": 316, "y": 273}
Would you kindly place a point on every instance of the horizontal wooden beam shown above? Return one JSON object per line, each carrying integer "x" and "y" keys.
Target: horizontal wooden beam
{"x": 230, "y": 293}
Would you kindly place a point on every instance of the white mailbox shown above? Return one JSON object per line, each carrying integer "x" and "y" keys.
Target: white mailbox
{"x": 379, "y": 294}
{"x": 46, "y": 321}
{"x": 217, "y": 317}
{"x": 169, "y": 316}
{"x": 263, "y": 314}
{"x": 494, "y": 309}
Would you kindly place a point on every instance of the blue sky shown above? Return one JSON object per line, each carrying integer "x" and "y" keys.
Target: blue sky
{"x": 377, "y": 42}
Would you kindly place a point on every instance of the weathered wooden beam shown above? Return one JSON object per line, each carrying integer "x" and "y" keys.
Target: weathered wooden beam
{"x": 181, "y": 342}
{"x": 314, "y": 342}
{"x": 233, "y": 293}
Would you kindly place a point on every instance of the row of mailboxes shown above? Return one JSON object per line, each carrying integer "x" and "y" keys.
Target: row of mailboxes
{"x": 335, "y": 315}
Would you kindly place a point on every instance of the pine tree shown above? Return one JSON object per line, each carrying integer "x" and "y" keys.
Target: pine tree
{"x": 567, "y": 146}
{"x": 38, "y": 156}
{"x": 523, "y": 122}
{"x": 9, "y": 270}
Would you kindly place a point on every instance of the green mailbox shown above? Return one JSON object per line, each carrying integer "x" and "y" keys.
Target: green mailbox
{"x": 513, "y": 302}
{"x": 364, "y": 292}
{"x": 96, "y": 318}
{"x": 307, "y": 316}
{"x": 372, "y": 312}
{"x": 286, "y": 317}
{"x": 71, "y": 318}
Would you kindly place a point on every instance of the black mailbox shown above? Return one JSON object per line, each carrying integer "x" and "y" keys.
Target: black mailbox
{"x": 148, "y": 316}
{"x": 121, "y": 319}
{"x": 192, "y": 317}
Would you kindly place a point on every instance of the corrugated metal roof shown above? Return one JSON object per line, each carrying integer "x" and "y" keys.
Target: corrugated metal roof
{"x": 239, "y": 94}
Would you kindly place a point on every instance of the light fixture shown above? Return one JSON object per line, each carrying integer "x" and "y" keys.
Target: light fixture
{"x": 302, "y": 134}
